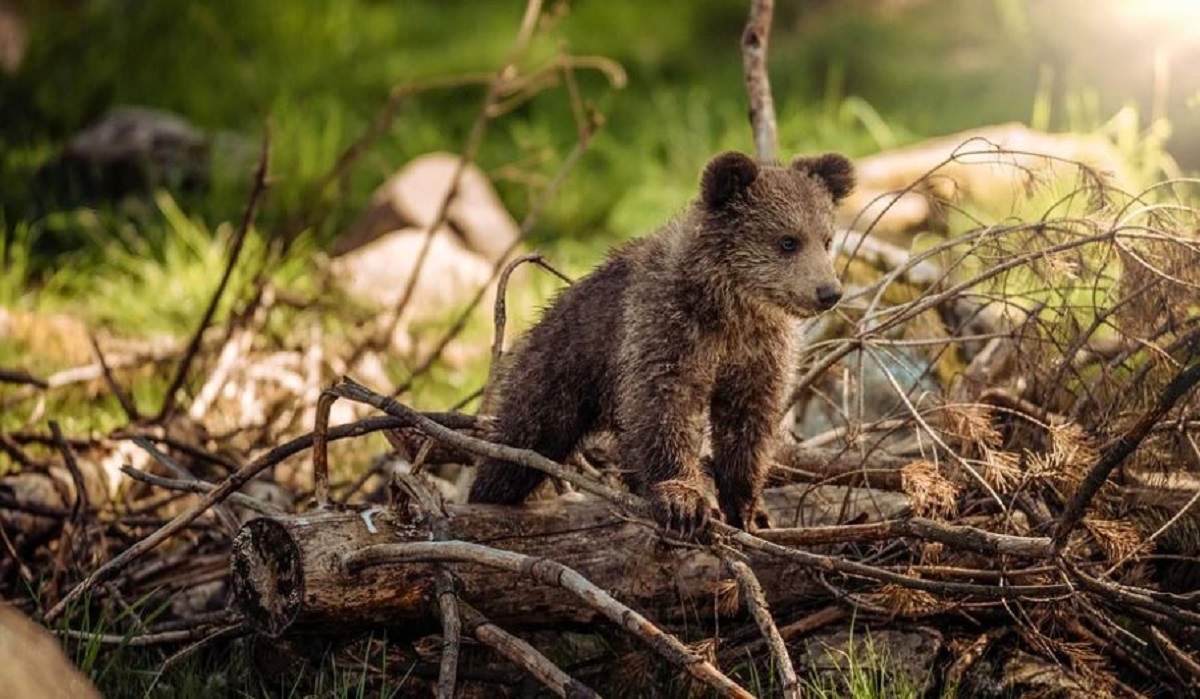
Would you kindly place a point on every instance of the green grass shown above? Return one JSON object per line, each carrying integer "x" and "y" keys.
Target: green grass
{"x": 124, "y": 671}
{"x": 864, "y": 671}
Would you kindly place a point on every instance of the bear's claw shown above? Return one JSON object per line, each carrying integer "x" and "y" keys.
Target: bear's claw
{"x": 681, "y": 508}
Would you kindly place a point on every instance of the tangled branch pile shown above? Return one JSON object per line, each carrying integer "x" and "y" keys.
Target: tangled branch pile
{"x": 995, "y": 435}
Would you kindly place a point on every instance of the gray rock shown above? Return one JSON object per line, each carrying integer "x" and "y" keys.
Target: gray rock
{"x": 131, "y": 150}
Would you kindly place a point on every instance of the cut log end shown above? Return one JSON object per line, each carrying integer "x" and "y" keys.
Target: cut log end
{"x": 268, "y": 575}
{"x": 290, "y": 577}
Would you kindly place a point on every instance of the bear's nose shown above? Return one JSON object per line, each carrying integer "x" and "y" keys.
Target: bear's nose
{"x": 828, "y": 295}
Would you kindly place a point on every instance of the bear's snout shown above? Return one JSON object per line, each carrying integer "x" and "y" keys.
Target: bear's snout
{"x": 828, "y": 296}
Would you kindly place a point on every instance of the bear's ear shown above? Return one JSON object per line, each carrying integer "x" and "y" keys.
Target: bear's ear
{"x": 834, "y": 170}
{"x": 726, "y": 175}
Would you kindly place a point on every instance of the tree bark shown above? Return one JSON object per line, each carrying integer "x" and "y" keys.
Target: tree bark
{"x": 288, "y": 574}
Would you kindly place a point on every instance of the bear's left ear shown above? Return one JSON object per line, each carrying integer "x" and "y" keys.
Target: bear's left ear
{"x": 834, "y": 170}
{"x": 725, "y": 176}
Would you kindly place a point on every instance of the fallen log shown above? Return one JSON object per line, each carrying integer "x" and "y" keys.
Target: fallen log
{"x": 288, "y": 574}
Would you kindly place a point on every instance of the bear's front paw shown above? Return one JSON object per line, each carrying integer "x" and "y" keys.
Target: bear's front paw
{"x": 681, "y": 508}
{"x": 751, "y": 516}
{"x": 759, "y": 517}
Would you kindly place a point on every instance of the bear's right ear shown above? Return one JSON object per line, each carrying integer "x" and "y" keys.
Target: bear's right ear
{"x": 834, "y": 170}
{"x": 726, "y": 175}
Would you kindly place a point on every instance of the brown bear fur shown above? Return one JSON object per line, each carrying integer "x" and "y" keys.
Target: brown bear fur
{"x": 695, "y": 320}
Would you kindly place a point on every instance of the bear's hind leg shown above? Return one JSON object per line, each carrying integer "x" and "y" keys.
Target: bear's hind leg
{"x": 551, "y": 424}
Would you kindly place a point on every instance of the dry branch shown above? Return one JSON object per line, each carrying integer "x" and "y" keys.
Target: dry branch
{"x": 20, "y": 376}
{"x": 638, "y": 506}
{"x": 239, "y": 239}
{"x": 795, "y": 629}
{"x": 1179, "y": 387}
{"x": 80, "y": 506}
{"x": 755, "y": 39}
{"x": 524, "y": 656}
{"x": 126, "y": 401}
{"x": 195, "y": 486}
{"x": 956, "y": 536}
{"x": 184, "y": 475}
{"x": 756, "y": 601}
{"x": 218, "y": 494}
{"x": 555, "y": 574}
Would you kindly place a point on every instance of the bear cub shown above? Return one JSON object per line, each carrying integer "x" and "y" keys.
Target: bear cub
{"x": 691, "y": 323}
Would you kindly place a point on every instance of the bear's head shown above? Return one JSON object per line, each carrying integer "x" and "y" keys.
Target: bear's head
{"x": 769, "y": 228}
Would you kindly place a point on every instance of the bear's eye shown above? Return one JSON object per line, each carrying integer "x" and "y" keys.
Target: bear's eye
{"x": 789, "y": 243}
{"x": 828, "y": 243}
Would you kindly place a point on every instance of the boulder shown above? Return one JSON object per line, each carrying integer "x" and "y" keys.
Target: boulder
{"x": 413, "y": 196}
{"x": 130, "y": 150}
{"x": 377, "y": 274}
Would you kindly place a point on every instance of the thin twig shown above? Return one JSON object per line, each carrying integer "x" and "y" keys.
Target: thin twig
{"x": 239, "y": 239}
{"x": 81, "y": 505}
{"x": 1177, "y": 654}
{"x": 451, "y": 633}
{"x": 320, "y": 455}
{"x": 806, "y": 624}
{"x": 429, "y": 501}
{"x": 201, "y": 487}
{"x": 500, "y": 311}
{"x": 231, "y": 523}
{"x": 136, "y": 641}
{"x": 953, "y": 535}
{"x": 20, "y": 376}
{"x": 125, "y": 399}
{"x": 9, "y": 446}
{"x": 224, "y": 633}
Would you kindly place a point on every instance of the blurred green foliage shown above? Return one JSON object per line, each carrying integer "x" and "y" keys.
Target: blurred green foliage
{"x": 320, "y": 70}
{"x": 852, "y": 76}
{"x": 855, "y": 76}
